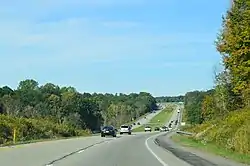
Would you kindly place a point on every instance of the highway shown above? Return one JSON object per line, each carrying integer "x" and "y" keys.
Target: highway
{"x": 144, "y": 121}
{"x": 137, "y": 149}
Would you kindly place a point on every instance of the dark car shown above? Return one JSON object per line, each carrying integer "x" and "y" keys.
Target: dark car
{"x": 157, "y": 129}
{"x": 108, "y": 130}
{"x": 176, "y": 122}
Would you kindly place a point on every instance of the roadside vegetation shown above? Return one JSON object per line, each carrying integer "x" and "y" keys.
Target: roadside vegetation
{"x": 32, "y": 112}
{"x": 211, "y": 148}
{"x": 159, "y": 120}
{"x": 220, "y": 117}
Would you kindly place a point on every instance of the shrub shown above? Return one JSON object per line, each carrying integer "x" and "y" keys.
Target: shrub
{"x": 33, "y": 129}
{"x": 232, "y": 132}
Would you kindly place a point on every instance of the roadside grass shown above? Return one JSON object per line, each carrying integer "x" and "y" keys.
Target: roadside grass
{"x": 163, "y": 117}
{"x": 188, "y": 141}
{"x": 140, "y": 117}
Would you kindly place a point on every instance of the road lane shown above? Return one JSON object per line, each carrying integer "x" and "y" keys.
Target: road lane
{"x": 129, "y": 150}
{"x": 38, "y": 154}
{"x": 138, "y": 149}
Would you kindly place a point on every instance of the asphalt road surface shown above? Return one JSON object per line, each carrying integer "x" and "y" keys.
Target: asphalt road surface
{"x": 136, "y": 149}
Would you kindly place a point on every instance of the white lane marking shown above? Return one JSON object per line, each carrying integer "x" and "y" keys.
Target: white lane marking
{"x": 81, "y": 151}
{"x": 151, "y": 151}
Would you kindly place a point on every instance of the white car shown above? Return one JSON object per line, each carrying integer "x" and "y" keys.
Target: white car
{"x": 147, "y": 128}
{"x": 164, "y": 128}
{"x": 125, "y": 129}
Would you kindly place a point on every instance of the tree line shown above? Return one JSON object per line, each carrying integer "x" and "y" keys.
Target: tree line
{"x": 165, "y": 99}
{"x": 49, "y": 111}
{"x": 226, "y": 107}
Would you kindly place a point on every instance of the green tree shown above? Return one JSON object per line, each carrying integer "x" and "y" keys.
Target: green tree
{"x": 234, "y": 44}
{"x": 48, "y": 111}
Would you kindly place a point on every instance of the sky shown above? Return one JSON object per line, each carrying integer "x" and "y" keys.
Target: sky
{"x": 164, "y": 47}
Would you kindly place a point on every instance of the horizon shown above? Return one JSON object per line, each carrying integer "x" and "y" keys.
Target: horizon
{"x": 165, "y": 48}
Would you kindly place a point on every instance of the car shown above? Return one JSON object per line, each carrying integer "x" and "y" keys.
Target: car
{"x": 164, "y": 128}
{"x": 125, "y": 129}
{"x": 108, "y": 130}
{"x": 178, "y": 111}
{"x": 157, "y": 129}
{"x": 147, "y": 128}
{"x": 176, "y": 122}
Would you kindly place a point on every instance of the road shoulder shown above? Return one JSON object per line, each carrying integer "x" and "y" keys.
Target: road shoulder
{"x": 191, "y": 155}
{"x": 165, "y": 157}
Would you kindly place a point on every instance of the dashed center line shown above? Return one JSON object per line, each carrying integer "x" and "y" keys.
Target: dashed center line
{"x": 81, "y": 151}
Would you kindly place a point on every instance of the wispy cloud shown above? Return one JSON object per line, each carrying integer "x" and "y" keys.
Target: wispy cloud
{"x": 82, "y": 39}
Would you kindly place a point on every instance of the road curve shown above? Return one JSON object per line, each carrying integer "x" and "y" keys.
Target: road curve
{"x": 138, "y": 149}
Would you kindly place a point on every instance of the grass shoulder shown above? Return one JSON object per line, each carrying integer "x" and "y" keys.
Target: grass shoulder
{"x": 159, "y": 120}
{"x": 188, "y": 141}
{"x": 135, "y": 120}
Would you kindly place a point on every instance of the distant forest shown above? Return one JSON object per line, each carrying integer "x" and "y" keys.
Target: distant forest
{"x": 169, "y": 99}
{"x": 48, "y": 111}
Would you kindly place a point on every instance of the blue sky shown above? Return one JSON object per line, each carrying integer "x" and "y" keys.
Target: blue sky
{"x": 165, "y": 47}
